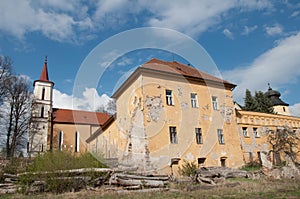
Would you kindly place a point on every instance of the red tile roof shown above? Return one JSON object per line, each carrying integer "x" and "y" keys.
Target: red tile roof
{"x": 181, "y": 69}
{"x": 44, "y": 75}
{"x": 79, "y": 117}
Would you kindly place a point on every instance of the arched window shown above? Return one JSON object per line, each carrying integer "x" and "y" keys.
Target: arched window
{"x": 60, "y": 140}
{"x": 43, "y": 94}
{"x": 77, "y": 142}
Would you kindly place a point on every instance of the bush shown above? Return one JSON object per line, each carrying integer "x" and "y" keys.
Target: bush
{"x": 251, "y": 166}
{"x": 60, "y": 160}
{"x": 188, "y": 168}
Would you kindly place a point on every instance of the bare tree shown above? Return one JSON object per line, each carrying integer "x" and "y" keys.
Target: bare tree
{"x": 109, "y": 108}
{"x": 18, "y": 106}
{"x": 5, "y": 73}
{"x": 283, "y": 140}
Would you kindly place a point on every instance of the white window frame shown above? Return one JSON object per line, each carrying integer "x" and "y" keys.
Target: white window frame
{"x": 169, "y": 97}
{"x": 194, "y": 100}
{"x": 245, "y": 131}
{"x": 255, "y": 132}
{"x": 221, "y": 136}
{"x": 214, "y": 100}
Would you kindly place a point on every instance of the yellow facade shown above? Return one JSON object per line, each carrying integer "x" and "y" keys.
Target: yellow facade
{"x": 254, "y": 142}
{"x": 164, "y": 118}
{"x": 140, "y": 135}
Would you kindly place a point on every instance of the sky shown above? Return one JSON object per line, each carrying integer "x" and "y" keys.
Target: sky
{"x": 249, "y": 42}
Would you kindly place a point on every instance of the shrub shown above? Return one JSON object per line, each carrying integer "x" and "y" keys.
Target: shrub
{"x": 188, "y": 168}
{"x": 60, "y": 160}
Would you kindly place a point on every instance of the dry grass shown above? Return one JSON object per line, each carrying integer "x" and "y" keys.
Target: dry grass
{"x": 245, "y": 188}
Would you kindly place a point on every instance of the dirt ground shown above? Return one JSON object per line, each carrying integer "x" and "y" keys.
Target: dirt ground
{"x": 233, "y": 188}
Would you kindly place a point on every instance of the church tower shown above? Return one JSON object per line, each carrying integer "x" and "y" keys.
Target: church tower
{"x": 279, "y": 106}
{"x": 41, "y": 113}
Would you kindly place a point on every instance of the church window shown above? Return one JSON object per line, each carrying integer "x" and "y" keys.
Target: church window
{"x": 255, "y": 132}
{"x": 43, "y": 94}
{"x": 60, "y": 140}
{"x": 42, "y": 111}
{"x": 77, "y": 142}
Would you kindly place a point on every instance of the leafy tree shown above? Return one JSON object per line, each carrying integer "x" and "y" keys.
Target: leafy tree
{"x": 283, "y": 140}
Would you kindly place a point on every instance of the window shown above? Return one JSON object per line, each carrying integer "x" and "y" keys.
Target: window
{"x": 194, "y": 100}
{"x": 245, "y": 131}
{"x": 201, "y": 161}
{"x": 173, "y": 135}
{"x": 60, "y": 140}
{"x": 77, "y": 142}
{"x": 223, "y": 161}
{"x": 221, "y": 136}
{"x": 215, "y": 103}
{"x": 199, "y": 139}
{"x": 255, "y": 132}
{"x": 283, "y": 109}
{"x": 43, "y": 94}
{"x": 169, "y": 98}
{"x": 42, "y": 111}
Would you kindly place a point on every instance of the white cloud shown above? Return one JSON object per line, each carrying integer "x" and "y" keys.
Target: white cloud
{"x": 30, "y": 16}
{"x": 279, "y": 66}
{"x": 228, "y": 33}
{"x": 274, "y": 30}
{"x": 89, "y": 101}
{"x": 295, "y": 13}
{"x": 66, "y": 21}
{"x": 247, "y": 30}
{"x": 295, "y": 110}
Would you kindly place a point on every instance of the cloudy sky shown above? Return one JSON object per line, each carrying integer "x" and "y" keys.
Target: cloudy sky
{"x": 252, "y": 42}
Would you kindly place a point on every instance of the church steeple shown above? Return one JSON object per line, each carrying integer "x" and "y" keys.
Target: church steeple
{"x": 44, "y": 75}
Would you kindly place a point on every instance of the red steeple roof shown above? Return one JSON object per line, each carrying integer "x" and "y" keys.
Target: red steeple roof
{"x": 44, "y": 75}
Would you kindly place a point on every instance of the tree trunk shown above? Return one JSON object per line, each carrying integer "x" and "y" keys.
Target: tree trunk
{"x": 8, "y": 149}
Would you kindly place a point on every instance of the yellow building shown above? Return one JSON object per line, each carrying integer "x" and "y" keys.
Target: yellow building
{"x": 168, "y": 112}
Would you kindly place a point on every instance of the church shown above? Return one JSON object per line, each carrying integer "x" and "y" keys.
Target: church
{"x": 166, "y": 112}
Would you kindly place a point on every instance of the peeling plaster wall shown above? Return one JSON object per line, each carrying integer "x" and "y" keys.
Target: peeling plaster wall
{"x": 252, "y": 144}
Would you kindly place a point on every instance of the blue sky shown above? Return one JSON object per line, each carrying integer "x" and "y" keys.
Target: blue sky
{"x": 252, "y": 42}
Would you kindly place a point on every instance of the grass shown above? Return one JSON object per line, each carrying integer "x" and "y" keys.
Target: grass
{"x": 262, "y": 188}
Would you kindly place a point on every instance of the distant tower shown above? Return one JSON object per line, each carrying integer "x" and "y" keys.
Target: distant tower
{"x": 40, "y": 114}
{"x": 279, "y": 106}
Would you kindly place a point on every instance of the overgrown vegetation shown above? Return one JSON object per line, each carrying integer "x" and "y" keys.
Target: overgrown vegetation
{"x": 61, "y": 160}
{"x": 252, "y": 166}
{"x": 188, "y": 168}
